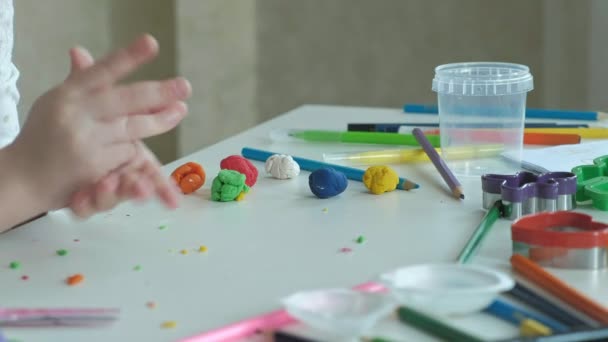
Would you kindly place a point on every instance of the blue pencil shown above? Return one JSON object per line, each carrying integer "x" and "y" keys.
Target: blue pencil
{"x": 515, "y": 315}
{"x": 312, "y": 165}
{"x": 394, "y": 127}
{"x": 531, "y": 113}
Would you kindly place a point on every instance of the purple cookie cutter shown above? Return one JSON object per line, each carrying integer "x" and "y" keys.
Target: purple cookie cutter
{"x": 526, "y": 193}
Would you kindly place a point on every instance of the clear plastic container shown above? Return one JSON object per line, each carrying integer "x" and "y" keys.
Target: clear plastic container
{"x": 491, "y": 94}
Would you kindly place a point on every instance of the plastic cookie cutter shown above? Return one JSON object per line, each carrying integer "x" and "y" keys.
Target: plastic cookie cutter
{"x": 526, "y": 193}
{"x": 562, "y": 239}
{"x": 592, "y": 183}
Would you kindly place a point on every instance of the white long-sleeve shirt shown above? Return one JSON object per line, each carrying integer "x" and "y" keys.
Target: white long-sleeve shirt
{"x": 9, "y": 95}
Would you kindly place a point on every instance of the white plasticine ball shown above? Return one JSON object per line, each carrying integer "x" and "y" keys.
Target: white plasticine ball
{"x": 282, "y": 166}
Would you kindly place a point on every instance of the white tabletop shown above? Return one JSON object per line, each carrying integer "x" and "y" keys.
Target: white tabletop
{"x": 277, "y": 241}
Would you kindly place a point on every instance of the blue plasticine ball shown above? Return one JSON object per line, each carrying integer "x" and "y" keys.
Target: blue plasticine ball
{"x": 327, "y": 182}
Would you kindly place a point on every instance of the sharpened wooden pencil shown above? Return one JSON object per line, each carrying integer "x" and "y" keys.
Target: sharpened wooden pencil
{"x": 440, "y": 165}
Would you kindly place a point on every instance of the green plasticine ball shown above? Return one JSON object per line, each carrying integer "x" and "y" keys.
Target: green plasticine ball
{"x": 228, "y": 185}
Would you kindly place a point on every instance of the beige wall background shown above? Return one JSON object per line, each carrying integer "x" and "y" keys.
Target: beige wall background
{"x": 250, "y": 60}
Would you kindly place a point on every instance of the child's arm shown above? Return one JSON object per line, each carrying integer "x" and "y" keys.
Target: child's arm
{"x": 18, "y": 200}
{"x": 85, "y": 128}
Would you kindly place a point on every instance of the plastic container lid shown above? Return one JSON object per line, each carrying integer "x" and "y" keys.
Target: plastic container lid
{"x": 447, "y": 288}
{"x": 482, "y": 79}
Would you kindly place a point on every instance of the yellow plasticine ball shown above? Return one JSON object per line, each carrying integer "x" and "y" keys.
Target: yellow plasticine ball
{"x": 380, "y": 179}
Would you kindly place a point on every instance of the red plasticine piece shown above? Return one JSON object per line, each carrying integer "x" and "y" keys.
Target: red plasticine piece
{"x": 242, "y": 165}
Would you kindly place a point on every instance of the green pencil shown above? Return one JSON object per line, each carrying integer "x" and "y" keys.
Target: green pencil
{"x": 484, "y": 227}
{"x": 350, "y": 137}
{"x": 433, "y": 326}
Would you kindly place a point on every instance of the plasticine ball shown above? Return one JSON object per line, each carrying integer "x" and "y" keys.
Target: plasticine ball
{"x": 327, "y": 182}
{"x": 380, "y": 179}
{"x": 242, "y": 165}
{"x": 228, "y": 185}
{"x": 282, "y": 166}
{"x": 189, "y": 177}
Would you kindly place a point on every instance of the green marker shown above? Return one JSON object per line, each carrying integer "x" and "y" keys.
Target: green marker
{"x": 14, "y": 265}
{"x": 350, "y": 137}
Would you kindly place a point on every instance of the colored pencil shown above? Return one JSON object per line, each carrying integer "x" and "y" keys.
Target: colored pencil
{"x": 516, "y": 314}
{"x": 348, "y": 137}
{"x": 312, "y": 165}
{"x": 585, "y": 133}
{"x": 531, "y": 113}
{"x": 433, "y": 326}
{"x": 394, "y": 156}
{"x": 394, "y": 127}
{"x": 266, "y": 322}
{"x": 480, "y": 232}
{"x": 440, "y": 165}
{"x": 586, "y": 335}
{"x": 535, "y": 273}
{"x": 528, "y": 296}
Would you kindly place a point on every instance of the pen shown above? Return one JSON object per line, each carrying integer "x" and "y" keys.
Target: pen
{"x": 348, "y": 137}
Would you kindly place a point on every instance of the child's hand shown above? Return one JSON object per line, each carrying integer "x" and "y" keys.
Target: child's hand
{"x": 89, "y": 125}
{"x": 139, "y": 179}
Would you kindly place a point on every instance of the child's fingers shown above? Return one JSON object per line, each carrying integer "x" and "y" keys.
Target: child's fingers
{"x": 142, "y": 97}
{"x": 165, "y": 188}
{"x": 80, "y": 59}
{"x": 147, "y": 125}
{"x": 116, "y": 155}
{"x": 81, "y": 203}
{"x": 106, "y": 194}
{"x": 118, "y": 64}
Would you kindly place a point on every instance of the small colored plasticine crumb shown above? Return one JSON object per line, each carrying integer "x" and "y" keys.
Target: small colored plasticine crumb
{"x": 137, "y": 268}
{"x": 151, "y": 305}
{"x": 62, "y": 252}
{"x": 162, "y": 227}
{"x": 184, "y": 251}
{"x": 76, "y": 240}
{"x": 189, "y": 177}
{"x": 202, "y": 249}
{"x": 242, "y": 165}
{"x": 360, "y": 239}
{"x": 380, "y": 179}
{"x": 229, "y": 185}
{"x": 169, "y": 324}
{"x": 75, "y": 279}
{"x": 345, "y": 250}
{"x": 25, "y": 277}
{"x": 14, "y": 265}
{"x": 325, "y": 210}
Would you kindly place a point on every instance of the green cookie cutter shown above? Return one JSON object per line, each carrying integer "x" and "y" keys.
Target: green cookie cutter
{"x": 592, "y": 183}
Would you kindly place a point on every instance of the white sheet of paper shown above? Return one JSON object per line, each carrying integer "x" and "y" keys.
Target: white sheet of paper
{"x": 563, "y": 157}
